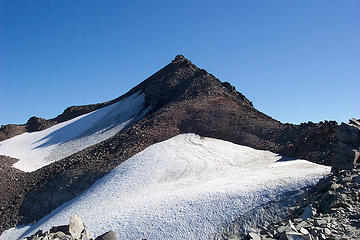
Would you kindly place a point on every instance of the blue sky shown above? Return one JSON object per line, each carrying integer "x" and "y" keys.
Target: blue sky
{"x": 297, "y": 61}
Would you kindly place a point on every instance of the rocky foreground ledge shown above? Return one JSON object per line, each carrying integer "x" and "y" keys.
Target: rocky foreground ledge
{"x": 76, "y": 230}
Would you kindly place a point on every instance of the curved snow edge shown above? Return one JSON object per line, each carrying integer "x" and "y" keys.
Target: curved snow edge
{"x": 183, "y": 188}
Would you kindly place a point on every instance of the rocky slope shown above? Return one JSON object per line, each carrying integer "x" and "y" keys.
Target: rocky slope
{"x": 329, "y": 210}
{"x": 184, "y": 99}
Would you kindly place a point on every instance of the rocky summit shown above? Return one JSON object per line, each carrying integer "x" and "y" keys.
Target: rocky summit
{"x": 186, "y": 99}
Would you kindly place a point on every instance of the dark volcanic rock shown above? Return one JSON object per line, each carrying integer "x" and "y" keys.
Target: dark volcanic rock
{"x": 312, "y": 141}
{"x": 184, "y": 99}
{"x": 347, "y": 151}
{"x": 12, "y": 191}
{"x": 37, "y": 124}
{"x": 11, "y": 130}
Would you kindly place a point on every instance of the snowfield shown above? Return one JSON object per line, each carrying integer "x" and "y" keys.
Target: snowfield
{"x": 184, "y": 188}
{"x": 38, "y": 149}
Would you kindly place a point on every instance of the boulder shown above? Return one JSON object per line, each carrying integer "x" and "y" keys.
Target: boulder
{"x": 308, "y": 212}
{"x": 110, "y": 235}
{"x": 254, "y": 236}
{"x": 233, "y": 237}
{"x": 78, "y": 230}
{"x": 347, "y": 151}
{"x": 294, "y": 236}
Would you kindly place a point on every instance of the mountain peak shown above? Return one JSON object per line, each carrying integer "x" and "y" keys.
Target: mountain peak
{"x": 183, "y": 99}
{"x": 180, "y": 58}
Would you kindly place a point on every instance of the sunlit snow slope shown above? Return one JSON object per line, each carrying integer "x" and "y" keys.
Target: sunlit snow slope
{"x": 38, "y": 149}
{"x": 182, "y": 188}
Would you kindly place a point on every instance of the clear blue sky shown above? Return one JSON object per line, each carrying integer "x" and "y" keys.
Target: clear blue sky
{"x": 297, "y": 61}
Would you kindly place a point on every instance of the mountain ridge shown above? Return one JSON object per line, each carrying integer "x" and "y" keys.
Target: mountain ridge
{"x": 187, "y": 68}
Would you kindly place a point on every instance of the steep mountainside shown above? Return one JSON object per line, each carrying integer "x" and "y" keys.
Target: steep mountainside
{"x": 183, "y": 99}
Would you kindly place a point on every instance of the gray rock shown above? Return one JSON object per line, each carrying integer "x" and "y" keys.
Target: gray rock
{"x": 308, "y": 212}
{"x": 346, "y": 179}
{"x": 304, "y": 231}
{"x": 110, "y": 235}
{"x": 334, "y": 186}
{"x": 301, "y": 225}
{"x": 321, "y": 222}
{"x": 292, "y": 226}
{"x": 59, "y": 236}
{"x": 78, "y": 230}
{"x": 231, "y": 237}
{"x": 357, "y": 180}
{"x": 341, "y": 205}
{"x": 346, "y": 152}
{"x": 327, "y": 231}
{"x": 294, "y": 236}
{"x": 322, "y": 236}
{"x": 254, "y": 236}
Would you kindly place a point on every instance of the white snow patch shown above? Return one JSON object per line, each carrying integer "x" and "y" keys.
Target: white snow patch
{"x": 182, "y": 188}
{"x": 38, "y": 149}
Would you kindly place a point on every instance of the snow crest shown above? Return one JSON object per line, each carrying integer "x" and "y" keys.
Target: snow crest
{"x": 183, "y": 188}
{"x": 38, "y": 149}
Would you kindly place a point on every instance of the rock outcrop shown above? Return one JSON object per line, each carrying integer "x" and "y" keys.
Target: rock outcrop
{"x": 347, "y": 151}
{"x": 11, "y": 130}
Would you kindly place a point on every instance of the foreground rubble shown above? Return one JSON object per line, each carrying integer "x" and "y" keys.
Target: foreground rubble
{"x": 330, "y": 210}
{"x": 76, "y": 230}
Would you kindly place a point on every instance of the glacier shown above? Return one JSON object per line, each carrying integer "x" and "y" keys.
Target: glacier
{"x": 183, "y": 188}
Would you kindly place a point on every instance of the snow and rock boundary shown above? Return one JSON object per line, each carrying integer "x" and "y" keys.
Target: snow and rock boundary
{"x": 185, "y": 187}
{"x": 38, "y": 149}
{"x": 328, "y": 210}
{"x": 185, "y": 99}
